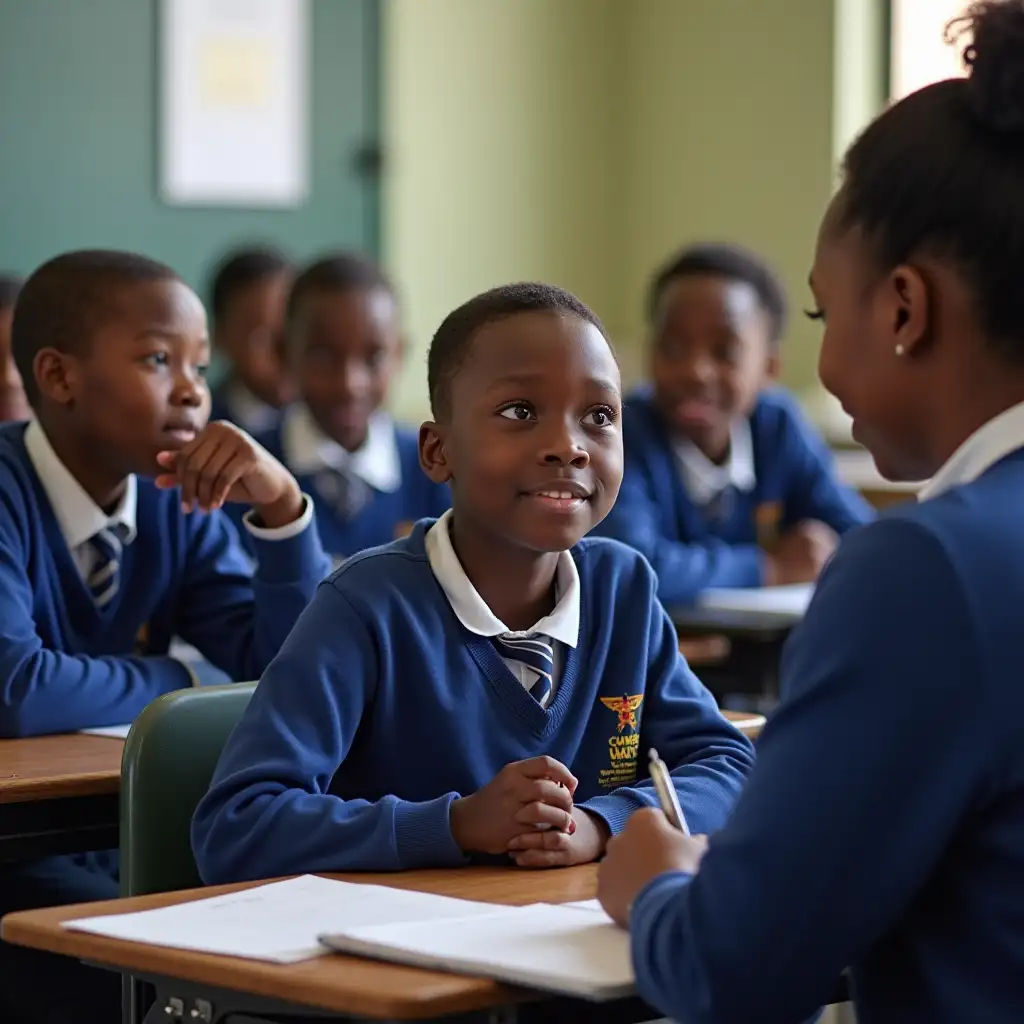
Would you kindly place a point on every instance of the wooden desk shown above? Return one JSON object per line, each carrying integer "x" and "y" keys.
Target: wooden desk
{"x": 337, "y": 984}
{"x": 58, "y": 794}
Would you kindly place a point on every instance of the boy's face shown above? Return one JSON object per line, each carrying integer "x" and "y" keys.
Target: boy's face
{"x": 347, "y": 346}
{"x": 535, "y": 413}
{"x": 138, "y": 387}
{"x": 251, "y": 333}
{"x": 711, "y": 354}
{"x": 13, "y": 403}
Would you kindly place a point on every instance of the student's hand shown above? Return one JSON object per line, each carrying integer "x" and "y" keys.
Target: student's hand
{"x": 223, "y": 463}
{"x": 800, "y": 553}
{"x": 553, "y": 849}
{"x": 522, "y": 795}
{"x": 647, "y": 847}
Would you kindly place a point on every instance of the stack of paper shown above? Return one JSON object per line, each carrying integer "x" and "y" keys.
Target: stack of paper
{"x": 791, "y": 600}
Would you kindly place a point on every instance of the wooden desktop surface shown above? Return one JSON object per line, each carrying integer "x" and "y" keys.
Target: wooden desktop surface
{"x": 56, "y": 767}
{"x": 340, "y": 984}
{"x": 72, "y": 765}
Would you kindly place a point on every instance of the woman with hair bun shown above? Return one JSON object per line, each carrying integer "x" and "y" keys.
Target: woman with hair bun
{"x": 882, "y": 829}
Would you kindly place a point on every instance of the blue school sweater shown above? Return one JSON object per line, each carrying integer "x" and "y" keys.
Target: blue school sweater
{"x": 883, "y": 827}
{"x": 382, "y": 708}
{"x": 385, "y": 514}
{"x": 655, "y": 515}
{"x": 67, "y": 665}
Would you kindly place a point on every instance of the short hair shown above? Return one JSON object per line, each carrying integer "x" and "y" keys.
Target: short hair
{"x": 734, "y": 263}
{"x": 240, "y": 269}
{"x": 450, "y": 344}
{"x": 941, "y": 174}
{"x": 10, "y": 285}
{"x": 337, "y": 272}
{"x": 67, "y": 298}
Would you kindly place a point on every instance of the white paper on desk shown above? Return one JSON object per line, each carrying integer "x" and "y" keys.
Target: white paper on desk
{"x": 558, "y": 949}
{"x": 119, "y": 732}
{"x": 792, "y": 599}
{"x": 278, "y": 922}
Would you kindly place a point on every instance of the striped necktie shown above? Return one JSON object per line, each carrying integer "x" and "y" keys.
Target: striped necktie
{"x": 535, "y": 652}
{"x": 105, "y": 579}
{"x": 343, "y": 491}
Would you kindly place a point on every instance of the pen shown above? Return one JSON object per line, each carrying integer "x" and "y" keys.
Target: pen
{"x": 666, "y": 792}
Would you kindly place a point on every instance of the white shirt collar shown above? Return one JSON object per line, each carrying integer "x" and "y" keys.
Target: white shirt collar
{"x": 704, "y": 481}
{"x": 308, "y": 450}
{"x": 563, "y": 624}
{"x": 250, "y": 413}
{"x": 985, "y": 447}
{"x": 79, "y": 517}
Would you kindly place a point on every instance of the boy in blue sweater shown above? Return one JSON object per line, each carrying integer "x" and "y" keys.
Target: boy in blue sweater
{"x": 489, "y": 685}
{"x": 111, "y": 543}
{"x": 726, "y": 483}
{"x": 883, "y": 826}
{"x": 247, "y": 301}
{"x": 360, "y": 467}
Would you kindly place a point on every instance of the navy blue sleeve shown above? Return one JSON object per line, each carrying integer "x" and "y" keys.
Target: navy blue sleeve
{"x": 268, "y": 811}
{"x": 814, "y": 491}
{"x": 236, "y": 619}
{"x": 683, "y": 570}
{"x": 709, "y": 758}
{"x": 863, "y": 778}
{"x": 45, "y": 691}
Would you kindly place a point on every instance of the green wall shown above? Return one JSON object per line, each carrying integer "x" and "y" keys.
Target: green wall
{"x": 78, "y": 131}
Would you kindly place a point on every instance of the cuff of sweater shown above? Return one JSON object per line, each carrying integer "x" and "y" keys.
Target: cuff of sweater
{"x": 614, "y": 810}
{"x": 292, "y": 558}
{"x": 423, "y": 834}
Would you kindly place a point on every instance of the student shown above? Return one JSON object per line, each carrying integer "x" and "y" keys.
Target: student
{"x": 726, "y": 483}
{"x": 448, "y": 693}
{"x": 13, "y": 404}
{"x": 247, "y": 302}
{"x": 100, "y": 566}
{"x": 362, "y": 469}
{"x": 883, "y": 826}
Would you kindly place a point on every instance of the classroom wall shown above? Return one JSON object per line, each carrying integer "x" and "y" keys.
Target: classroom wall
{"x": 583, "y": 141}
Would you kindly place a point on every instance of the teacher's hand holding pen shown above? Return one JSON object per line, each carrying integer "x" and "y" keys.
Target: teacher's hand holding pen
{"x": 652, "y": 843}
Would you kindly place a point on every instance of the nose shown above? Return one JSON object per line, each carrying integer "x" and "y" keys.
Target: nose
{"x": 190, "y": 389}
{"x": 351, "y": 381}
{"x": 562, "y": 446}
{"x": 699, "y": 368}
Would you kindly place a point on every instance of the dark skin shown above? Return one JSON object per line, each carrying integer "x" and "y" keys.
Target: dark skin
{"x": 903, "y": 352}
{"x": 13, "y": 403}
{"x": 711, "y": 354}
{"x": 250, "y": 331}
{"x": 346, "y": 348}
{"x": 532, "y": 448}
{"x": 134, "y": 400}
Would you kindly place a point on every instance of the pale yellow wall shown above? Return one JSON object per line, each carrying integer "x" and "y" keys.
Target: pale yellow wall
{"x": 498, "y": 125}
{"x": 580, "y": 141}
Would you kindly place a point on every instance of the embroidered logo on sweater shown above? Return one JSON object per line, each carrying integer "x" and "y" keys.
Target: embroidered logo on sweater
{"x": 624, "y": 743}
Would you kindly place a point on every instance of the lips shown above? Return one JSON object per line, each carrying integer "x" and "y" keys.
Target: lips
{"x": 564, "y": 490}
{"x": 181, "y": 433}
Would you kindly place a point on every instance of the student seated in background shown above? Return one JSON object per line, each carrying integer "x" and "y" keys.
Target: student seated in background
{"x": 726, "y": 483}
{"x": 247, "y": 300}
{"x": 882, "y": 828}
{"x": 361, "y": 468}
{"x": 112, "y": 542}
{"x": 13, "y": 403}
{"x": 489, "y": 685}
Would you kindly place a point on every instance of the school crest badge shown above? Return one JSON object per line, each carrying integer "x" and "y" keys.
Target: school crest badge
{"x": 624, "y": 743}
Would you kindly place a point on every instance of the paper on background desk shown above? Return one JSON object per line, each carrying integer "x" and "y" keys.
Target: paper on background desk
{"x": 278, "y": 922}
{"x": 792, "y": 599}
{"x": 116, "y": 731}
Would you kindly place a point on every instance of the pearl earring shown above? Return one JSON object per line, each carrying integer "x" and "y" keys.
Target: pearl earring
{"x": 900, "y": 350}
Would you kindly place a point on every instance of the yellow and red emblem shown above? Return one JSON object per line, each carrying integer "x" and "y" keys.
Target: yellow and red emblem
{"x": 626, "y": 708}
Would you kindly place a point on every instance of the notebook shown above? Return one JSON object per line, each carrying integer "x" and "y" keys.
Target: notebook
{"x": 789, "y": 600}
{"x": 278, "y": 922}
{"x": 571, "y": 949}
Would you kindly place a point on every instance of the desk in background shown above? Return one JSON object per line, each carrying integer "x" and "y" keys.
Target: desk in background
{"x": 58, "y": 794}
{"x": 857, "y": 468}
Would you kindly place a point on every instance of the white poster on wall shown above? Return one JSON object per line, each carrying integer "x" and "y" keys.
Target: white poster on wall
{"x": 234, "y": 102}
